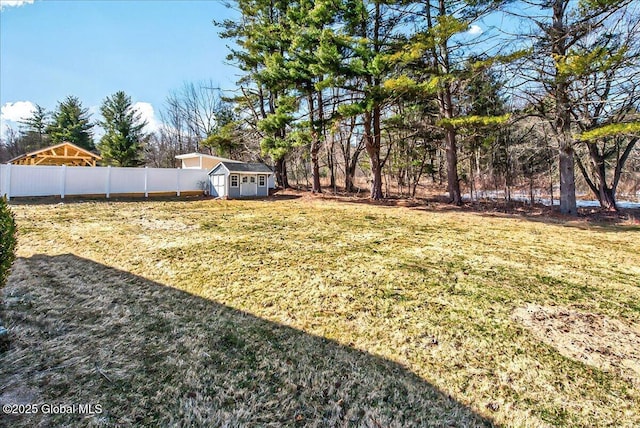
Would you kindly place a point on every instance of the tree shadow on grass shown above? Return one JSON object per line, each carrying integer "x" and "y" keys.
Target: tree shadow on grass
{"x": 152, "y": 355}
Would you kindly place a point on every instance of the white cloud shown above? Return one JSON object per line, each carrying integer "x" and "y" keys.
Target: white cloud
{"x": 147, "y": 113}
{"x": 10, "y": 3}
{"x": 17, "y": 111}
{"x": 11, "y": 113}
{"x": 474, "y": 30}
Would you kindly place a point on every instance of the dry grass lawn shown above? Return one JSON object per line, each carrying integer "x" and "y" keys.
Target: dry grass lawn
{"x": 320, "y": 313}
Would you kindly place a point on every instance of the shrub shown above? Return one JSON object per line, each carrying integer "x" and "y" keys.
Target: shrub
{"x": 7, "y": 241}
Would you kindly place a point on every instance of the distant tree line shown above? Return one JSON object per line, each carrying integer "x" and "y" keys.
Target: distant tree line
{"x": 407, "y": 84}
{"x": 404, "y": 94}
{"x": 69, "y": 122}
{"x": 194, "y": 118}
{"x": 121, "y": 145}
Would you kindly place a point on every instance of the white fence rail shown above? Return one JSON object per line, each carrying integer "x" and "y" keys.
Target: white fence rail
{"x": 27, "y": 180}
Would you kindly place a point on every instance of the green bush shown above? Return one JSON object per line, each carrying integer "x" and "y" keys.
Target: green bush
{"x": 7, "y": 241}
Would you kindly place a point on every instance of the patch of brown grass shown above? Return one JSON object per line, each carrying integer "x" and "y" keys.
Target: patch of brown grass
{"x": 425, "y": 290}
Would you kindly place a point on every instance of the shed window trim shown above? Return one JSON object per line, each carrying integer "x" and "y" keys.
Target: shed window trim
{"x": 234, "y": 178}
{"x": 245, "y": 179}
{"x": 262, "y": 180}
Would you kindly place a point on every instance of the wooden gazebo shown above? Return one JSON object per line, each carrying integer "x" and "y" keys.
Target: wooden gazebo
{"x": 62, "y": 154}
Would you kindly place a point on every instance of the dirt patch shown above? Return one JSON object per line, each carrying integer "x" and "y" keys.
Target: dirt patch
{"x": 593, "y": 339}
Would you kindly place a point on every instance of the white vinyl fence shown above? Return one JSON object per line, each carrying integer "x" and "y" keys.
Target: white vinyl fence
{"x": 27, "y": 180}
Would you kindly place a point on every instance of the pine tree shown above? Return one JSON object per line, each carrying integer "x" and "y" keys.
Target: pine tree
{"x": 262, "y": 37}
{"x": 311, "y": 57}
{"x": 557, "y": 32}
{"x": 439, "y": 45}
{"x": 71, "y": 123}
{"x": 123, "y": 141}
{"x": 370, "y": 36}
{"x": 35, "y": 133}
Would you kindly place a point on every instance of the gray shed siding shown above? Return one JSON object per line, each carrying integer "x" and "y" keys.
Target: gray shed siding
{"x": 234, "y": 192}
{"x": 263, "y": 191}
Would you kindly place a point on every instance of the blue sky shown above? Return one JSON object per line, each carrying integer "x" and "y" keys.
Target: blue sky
{"x": 50, "y": 49}
{"x": 92, "y": 48}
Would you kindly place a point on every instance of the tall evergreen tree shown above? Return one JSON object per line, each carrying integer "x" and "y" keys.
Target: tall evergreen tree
{"x": 312, "y": 56}
{"x": 552, "y": 71}
{"x": 262, "y": 36}
{"x": 123, "y": 141}
{"x": 432, "y": 61}
{"x": 224, "y": 139}
{"x": 71, "y": 122}
{"x": 35, "y": 132}
{"x": 446, "y": 21}
{"x": 371, "y": 32}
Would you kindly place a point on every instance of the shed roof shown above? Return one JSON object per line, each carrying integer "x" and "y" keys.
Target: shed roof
{"x": 64, "y": 153}
{"x": 203, "y": 155}
{"x": 240, "y": 167}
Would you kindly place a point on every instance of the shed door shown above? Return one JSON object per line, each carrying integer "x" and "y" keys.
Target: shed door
{"x": 217, "y": 185}
{"x": 248, "y": 185}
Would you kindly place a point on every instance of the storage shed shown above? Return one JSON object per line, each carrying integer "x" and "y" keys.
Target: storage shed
{"x": 239, "y": 180}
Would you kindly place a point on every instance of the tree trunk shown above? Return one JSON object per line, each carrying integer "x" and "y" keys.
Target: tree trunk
{"x": 445, "y": 102}
{"x": 371, "y": 124}
{"x": 315, "y": 147}
{"x": 331, "y": 164}
{"x": 608, "y": 199}
{"x": 605, "y": 194}
{"x": 432, "y": 163}
{"x": 531, "y": 190}
{"x": 567, "y": 182}
{"x": 551, "y": 180}
{"x": 562, "y": 123}
{"x": 372, "y": 145}
{"x": 453, "y": 182}
{"x": 281, "y": 173}
{"x": 316, "y": 188}
{"x": 471, "y": 178}
{"x": 599, "y": 187}
{"x": 351, "y": 172}
{"x": 348, "y": 177}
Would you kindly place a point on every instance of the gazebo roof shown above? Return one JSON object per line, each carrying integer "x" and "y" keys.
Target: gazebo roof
{"x": 64, "y": 153}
